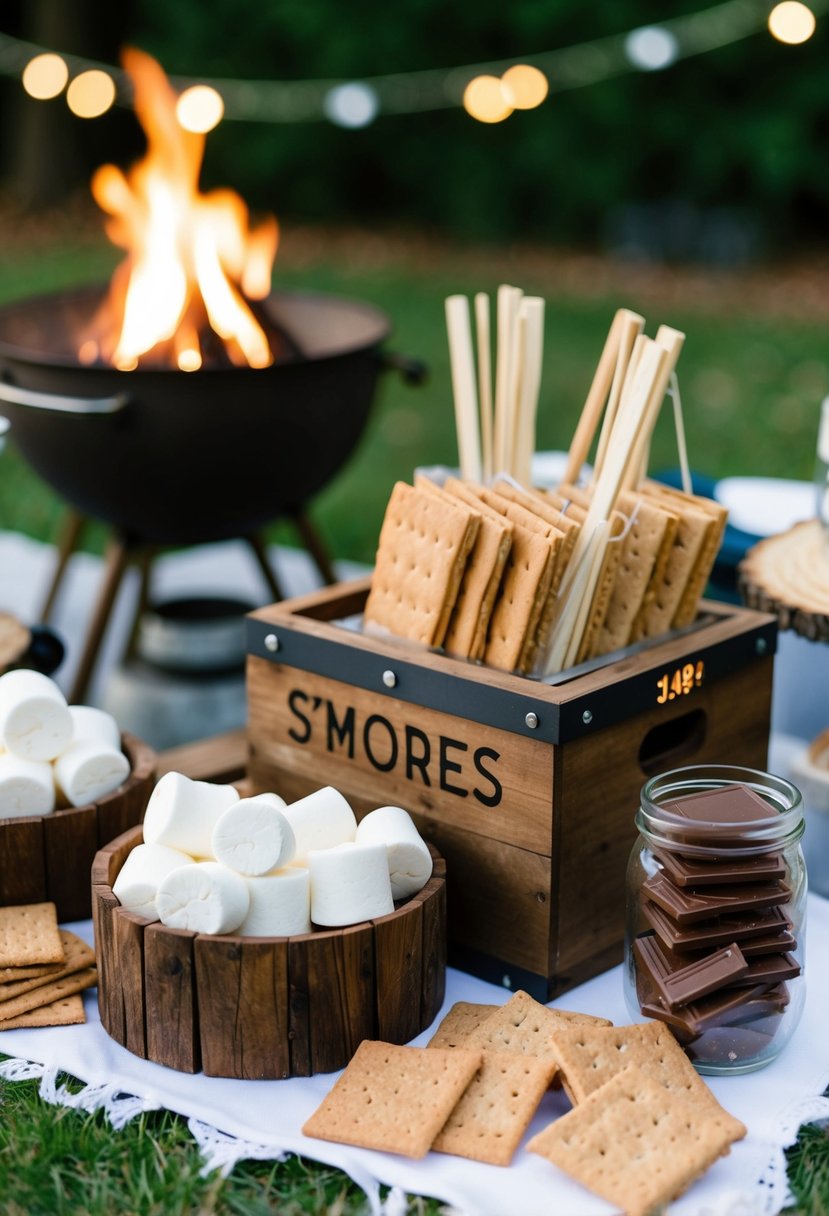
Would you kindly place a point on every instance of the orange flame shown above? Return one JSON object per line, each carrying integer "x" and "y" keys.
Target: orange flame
{"x": 192, "y": 258}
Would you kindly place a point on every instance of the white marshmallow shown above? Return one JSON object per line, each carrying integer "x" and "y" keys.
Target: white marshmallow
{"x": 91, "y": 723}
{"x": 205, "y": 897}
{"x": 280, "y": 904}
{"x": 410, "y": 862}
{"x": 88, "y": 769}
{"x": 35, "y": 722}
{"x": 137, "y": 883}
{"x": 321, "y": 821}
{"x": 349, "y": 883}
{"x": 27, "y": 787}
{"x": 182, "y": 813}
{"x": 253, "y": 837}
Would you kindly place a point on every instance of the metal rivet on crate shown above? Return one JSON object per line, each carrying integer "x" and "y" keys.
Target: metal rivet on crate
{"x": 760, "y": 645}
{"x": 531, "y": 720}
{"x": 389, "y": 678}
{"x": 271, "y": 642}
{"x": 587, "y": 717}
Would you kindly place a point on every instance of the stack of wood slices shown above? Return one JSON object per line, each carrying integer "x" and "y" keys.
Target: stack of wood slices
{"x": 491, "y": 568}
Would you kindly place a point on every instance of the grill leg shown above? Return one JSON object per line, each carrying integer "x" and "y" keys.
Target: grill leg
{"x": 70, "y": 537}
{"x": 115, "y": 563}
{"x": 257, "y": 546}
{"x": 312, "y": 541}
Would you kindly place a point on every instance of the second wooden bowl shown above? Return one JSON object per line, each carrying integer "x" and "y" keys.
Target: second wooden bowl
{"x": 262, "y": 1008}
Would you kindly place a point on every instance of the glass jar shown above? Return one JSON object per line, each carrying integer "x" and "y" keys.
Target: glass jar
{"x": 716, "y": 914}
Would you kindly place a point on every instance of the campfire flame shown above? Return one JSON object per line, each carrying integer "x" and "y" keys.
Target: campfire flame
{"x": 193, "y": 262}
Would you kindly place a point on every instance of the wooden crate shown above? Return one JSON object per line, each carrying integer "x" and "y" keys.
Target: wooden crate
{"x": 48, "y": 857}
{"x": 527, "y": 788}
{"x": 263, "y": 1008}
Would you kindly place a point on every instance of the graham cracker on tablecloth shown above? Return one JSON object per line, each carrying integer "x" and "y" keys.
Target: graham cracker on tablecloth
{"x": 422, "y": 553}
{"x": 10, "y": 974}
{"x": 77, "y": 955}
{"x": 526, "y": 1026}
{"x": 496, "y": 1107}
{"x": 459, "y": 1023}
{"x": 394, "y": 1099}
{"x": 469, "y": 622}
{"x": 53, "y": 991}
{"x": 635, "y": 1143}
{"x": 590, "y": 1056}
{"x": 29, "y": 935}
{"x": 66, "y": 1011}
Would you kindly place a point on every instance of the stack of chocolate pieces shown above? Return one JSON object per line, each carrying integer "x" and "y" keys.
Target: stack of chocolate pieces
{"x": 714, "y": 962}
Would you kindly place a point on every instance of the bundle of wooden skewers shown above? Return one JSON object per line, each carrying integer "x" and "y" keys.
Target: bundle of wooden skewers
{"x": 539, "y": 580}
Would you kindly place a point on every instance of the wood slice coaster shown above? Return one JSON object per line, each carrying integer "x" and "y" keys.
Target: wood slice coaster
{"x": 49, "y": 857}
{"x": 14, "y": 640}
{"x": 788, "y": 575}
{"x": 263, "y": 1008}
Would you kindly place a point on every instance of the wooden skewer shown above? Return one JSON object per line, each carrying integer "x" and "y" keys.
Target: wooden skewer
{"x": 506, "y": 307}
{"x": 532, "y": 314}
{"x": 482, "y": 329}
{"x": 596, "y": 397}
{"x": 671, "y": 342}
{"x": 625, "y": 364}
{"x": 575, "y": 602}
{"x": 463, "y": 386}
{"x": 518, "y": 335}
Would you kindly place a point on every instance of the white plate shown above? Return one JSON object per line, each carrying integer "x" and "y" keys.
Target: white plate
{"x": 765, "y": 506}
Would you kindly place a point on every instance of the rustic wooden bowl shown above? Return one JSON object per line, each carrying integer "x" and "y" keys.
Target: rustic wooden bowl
{"x": 262, "y": 1008}
{"x": 49, "y": 857}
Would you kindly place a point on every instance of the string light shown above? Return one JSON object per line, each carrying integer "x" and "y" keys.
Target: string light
{"x": 792, "y": 22}
{"x": 91, "y": 94}
{"x": 525, "y": 86}
{"x": 356, "y": 103}
{"x": 485, "y": 98}
{"x": 45, "y": 76}
{"x": 199, "y": 109}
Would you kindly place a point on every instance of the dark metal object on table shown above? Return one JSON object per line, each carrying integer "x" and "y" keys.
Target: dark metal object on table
{"x": 170, "y": 458}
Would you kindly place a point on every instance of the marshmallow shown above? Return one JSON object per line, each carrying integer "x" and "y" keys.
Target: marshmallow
{"x": 88, "y": 769}
{"x": 204, "y": 897}
{"x": 320, "y": 821}
{"x": 410, "y": 862}
{"x": 349, "y": 883}
{"x": 91, "y": 723}
{"x": 27, "y": 787}
{"x": 35, "y": 722}
{"x": 182, "y": 813}
{"x": 137, "y": 883}
{"x": 253, "y": 837}
{"x": 280, "y": 904}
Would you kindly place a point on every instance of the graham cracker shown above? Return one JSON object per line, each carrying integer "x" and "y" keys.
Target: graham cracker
{"x": 641, "y": 548}
{"x": 693, "y": 527}
{"x": 53, "y": 991}
{"x": 525, "y": 1026}
{"x": 496, "y": 1108}
{"x": 77, "y": 955}
{"x": 589, "y": 645}
{"x": 460, "y": 1022}
{"x": 636, "y": 1144}
{"x": 422, "y": 553}
{"x": 525, "y": 587}
{"x": 546, "y": 511}
{"x": 394, "y": 1099}
{"x": 482, "y": 577}
{"x": 701, "y": 572}
{"x": 68, "y": 1011}
{"x": 460, "y": 489}
{"x": 29, "y": 935}
{"x": 589, "y": 1056}
{"x": 9, "y": 974}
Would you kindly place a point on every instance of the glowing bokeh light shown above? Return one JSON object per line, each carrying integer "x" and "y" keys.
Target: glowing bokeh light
{"x": 485, "y": 98}
{"x": 525, "y": 86}
{"x": 91, "y": 94}
{"x": 45, "y": 76}
{"x": 791, "y": 22}
{"x": 651, "y": 48}
{"x": 351, "y": 105}
{"x": 199, "y": 109}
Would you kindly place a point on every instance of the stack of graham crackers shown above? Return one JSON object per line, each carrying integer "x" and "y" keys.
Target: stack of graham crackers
{"x": 43, "y": 969}
{"x": 528, "y": 580}
{"x": 643, "y": 1126}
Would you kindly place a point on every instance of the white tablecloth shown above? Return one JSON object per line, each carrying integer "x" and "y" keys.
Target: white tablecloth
{"x": 236, "y": 1119}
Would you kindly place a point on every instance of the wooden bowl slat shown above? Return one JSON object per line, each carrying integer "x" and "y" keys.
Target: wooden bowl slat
{"x": 22, "y": 865}
{"x": 170, "y": 998}
{"x": 70, "y": 839}
{"x": 265, "y": 1008}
